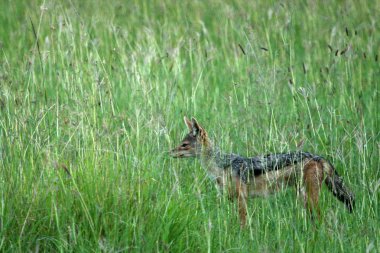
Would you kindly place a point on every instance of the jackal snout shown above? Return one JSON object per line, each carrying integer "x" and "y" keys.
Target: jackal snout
{"x": 190, "y": 146}
{"x": 185, "y": 149}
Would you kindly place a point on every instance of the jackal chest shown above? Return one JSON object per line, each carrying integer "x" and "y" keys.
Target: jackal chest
{"x": 213, "y": 171}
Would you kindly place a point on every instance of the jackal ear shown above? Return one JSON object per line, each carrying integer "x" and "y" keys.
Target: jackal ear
{"x": 188, "y": 123}
{"x": 196, "y": 128}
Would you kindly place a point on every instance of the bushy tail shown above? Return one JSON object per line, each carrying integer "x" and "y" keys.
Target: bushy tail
{"x": 335, "y": 184}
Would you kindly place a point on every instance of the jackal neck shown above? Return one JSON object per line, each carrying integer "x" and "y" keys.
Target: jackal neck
{"x": 207, "y": 149}
{"x": 212, "y": 156}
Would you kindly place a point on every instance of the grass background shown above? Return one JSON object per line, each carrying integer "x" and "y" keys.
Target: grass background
{"x": 100, "y": 89}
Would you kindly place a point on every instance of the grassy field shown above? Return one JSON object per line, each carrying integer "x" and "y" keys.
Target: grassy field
{"x": 92, "y": 97}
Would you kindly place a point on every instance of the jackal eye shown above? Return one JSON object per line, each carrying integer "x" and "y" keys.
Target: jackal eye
{"x": 184, "y": 145}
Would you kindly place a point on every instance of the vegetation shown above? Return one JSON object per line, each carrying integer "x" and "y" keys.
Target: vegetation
{"x": 92, "y": 96}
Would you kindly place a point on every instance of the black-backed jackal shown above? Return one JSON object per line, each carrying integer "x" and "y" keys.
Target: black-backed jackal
{"x": 262, "y": 175}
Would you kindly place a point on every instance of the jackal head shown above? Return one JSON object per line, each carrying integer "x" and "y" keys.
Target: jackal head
{"x": 193, "y": 143}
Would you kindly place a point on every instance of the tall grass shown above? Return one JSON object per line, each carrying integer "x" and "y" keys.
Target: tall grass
{"x": 92, "y": 97}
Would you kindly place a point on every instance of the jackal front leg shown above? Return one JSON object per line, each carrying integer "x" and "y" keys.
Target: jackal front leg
{"x": 241, "y": 191}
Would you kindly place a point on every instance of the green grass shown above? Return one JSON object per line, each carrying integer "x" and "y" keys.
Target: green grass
{"x": 102, "y": 89}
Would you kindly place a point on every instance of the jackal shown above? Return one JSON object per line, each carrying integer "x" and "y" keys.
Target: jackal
{"x": 261, "y": 175}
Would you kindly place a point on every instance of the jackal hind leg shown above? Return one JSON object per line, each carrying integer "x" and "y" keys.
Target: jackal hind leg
{"x": 313, "y": 178}
{"x": 301, "y": 194}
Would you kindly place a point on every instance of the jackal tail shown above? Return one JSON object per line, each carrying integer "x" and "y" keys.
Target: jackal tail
{"x": 335, "y": 184}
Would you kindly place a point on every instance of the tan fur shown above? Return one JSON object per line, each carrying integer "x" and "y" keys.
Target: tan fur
{"x": 273, "y": 181}
{"x": 241, "y": 193}
{"x": 308, "y": 175}
{"x": 313, "y": 178}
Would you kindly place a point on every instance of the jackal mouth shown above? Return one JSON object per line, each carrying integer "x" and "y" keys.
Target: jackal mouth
{"x": 178, "y": 154}
{"x": 175, "y": 154}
